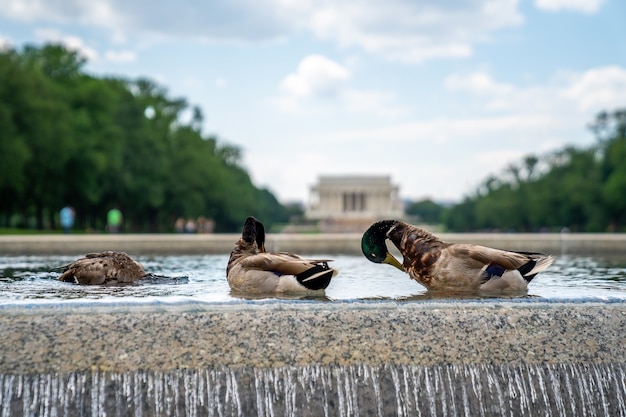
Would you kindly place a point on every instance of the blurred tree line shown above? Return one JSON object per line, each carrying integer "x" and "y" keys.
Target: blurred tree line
{"x": 582, "y": 190}
{"x": 69, "y": 138}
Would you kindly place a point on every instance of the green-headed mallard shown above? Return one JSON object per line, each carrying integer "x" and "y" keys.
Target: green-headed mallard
{"x": 107, "y": 267}
{"x": 252, "y": 270}
{"x": 438, "y": 265}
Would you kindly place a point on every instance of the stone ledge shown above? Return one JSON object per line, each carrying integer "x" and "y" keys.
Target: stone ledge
{"x": 93, "y": 336}
{"x": 339, "y": 243}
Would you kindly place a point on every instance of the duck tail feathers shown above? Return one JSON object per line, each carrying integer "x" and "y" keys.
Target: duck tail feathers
{"x": 316, "y": 278}
{"x": 68, "y": 276}
{"x": 538, "y": 263}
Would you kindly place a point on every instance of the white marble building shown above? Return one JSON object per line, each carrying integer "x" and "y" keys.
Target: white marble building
{"x": 346, "y": 203}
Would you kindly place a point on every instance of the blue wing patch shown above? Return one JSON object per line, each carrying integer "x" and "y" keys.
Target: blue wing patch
{"x": 495, "y": 270}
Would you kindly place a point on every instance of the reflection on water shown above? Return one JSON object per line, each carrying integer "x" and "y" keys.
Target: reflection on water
{"x": 202, "y": 278}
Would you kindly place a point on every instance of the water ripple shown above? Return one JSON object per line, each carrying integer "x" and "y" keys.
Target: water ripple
{"x": 202, "y": 278}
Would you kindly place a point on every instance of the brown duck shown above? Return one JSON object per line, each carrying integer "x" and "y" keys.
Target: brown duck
{"x": 438, "y": 265}
{"x": 103, "y": 268}
{"x": 252, "y": 270}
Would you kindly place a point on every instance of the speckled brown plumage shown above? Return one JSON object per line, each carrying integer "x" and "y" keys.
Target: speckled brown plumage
{"x": 107, "y": 267}
{"x": 420, "y": 250}
{"x": 439, "y": 265}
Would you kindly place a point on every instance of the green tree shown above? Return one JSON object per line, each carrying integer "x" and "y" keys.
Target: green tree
{"x": 71, "y": 138}
{"x": 426, "y": 210}
{"x": 13, "y": 148}
{"x": 611, "y": 132}
{"x": 44, "y": 120}
{"x": 581, "y": 189}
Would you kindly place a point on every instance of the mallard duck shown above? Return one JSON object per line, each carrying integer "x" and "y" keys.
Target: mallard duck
{"x": 252, "y": 270}
{"x": 438, "y": 265}
{"x": 107, "y": 267}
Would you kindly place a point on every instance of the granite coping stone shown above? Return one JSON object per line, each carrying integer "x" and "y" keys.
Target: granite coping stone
{"x": 118, "y": 337}
{"x": 333, "y": 243}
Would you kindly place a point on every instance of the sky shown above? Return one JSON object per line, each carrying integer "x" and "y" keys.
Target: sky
{"x": 437, "y": 94}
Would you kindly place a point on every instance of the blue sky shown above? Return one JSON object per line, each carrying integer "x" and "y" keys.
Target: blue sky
{"x": 439, "y": 94}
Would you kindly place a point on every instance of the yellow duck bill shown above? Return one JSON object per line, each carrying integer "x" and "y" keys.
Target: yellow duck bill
{"x": 391, "y": 260}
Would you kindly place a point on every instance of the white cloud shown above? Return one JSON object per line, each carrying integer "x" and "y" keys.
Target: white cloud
{"x": 28, "y": 11}
{"x": 120, "y": 56}
{"x": 539, "y": 117}
{"x": 449, "y": 130}
{"x": 316, "y": 76}
{"x": 477, "y": 83}
{"x": 584, "y": 6}
{"x": 576, "y": 97}
{"x": 580, "y": 94}
{"x": 73, "y": 43}
{"x": 413, "y": 31}
{"x": 5, "y": 44}
{"x": 97, "y": 12}
{"x": 319, "y": 78}
{"x": 494, "y": 95}
{"x": 402, "y": 30}
{"x": 499, "y": 157}
{"x": 598, "y": 88}
{"x": 380, "y": 103}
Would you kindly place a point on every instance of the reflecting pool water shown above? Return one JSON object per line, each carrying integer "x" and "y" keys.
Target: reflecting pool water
{"x": 32, "y": 279}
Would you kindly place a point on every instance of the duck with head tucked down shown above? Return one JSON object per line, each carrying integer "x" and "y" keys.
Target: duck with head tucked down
{"x": 253, "y": 270}
{"x": 442, "y": 266}
{"x": 108, "y": 267}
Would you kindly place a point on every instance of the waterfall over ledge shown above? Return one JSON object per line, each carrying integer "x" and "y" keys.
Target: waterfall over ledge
{"x": 470, "y": 358}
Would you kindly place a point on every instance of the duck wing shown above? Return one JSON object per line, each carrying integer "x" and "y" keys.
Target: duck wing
{"x": 313, "y": 274}
{"x": 496, "y": 261}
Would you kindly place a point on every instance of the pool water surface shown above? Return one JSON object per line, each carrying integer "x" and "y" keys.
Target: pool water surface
{"x": 33, "y": 279}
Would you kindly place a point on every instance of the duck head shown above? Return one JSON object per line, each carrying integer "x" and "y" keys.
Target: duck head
{"x": 374, "y": 247}
{"x": 254, "y": 232}
{"x": 260, "y": 236}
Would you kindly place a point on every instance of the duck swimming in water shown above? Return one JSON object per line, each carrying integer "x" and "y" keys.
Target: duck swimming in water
{"x": 252, "y": 270}
{"x": 107, "y": 267}
{"x": 442, "y": 266}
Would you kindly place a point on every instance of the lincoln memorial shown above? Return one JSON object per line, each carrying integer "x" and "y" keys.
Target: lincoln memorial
{"x": 350, "y": 203}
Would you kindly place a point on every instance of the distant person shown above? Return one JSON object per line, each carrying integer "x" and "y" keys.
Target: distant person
{"x": 67, "y": 216}
{"x": 205, "y": 225}
{"x": 190, "y": 226}
{"x": 179, "y": 225}
{"x": 114, "y": 220}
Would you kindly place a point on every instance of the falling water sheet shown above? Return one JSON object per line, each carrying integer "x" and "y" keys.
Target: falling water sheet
{"x": 383, "y": 390}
